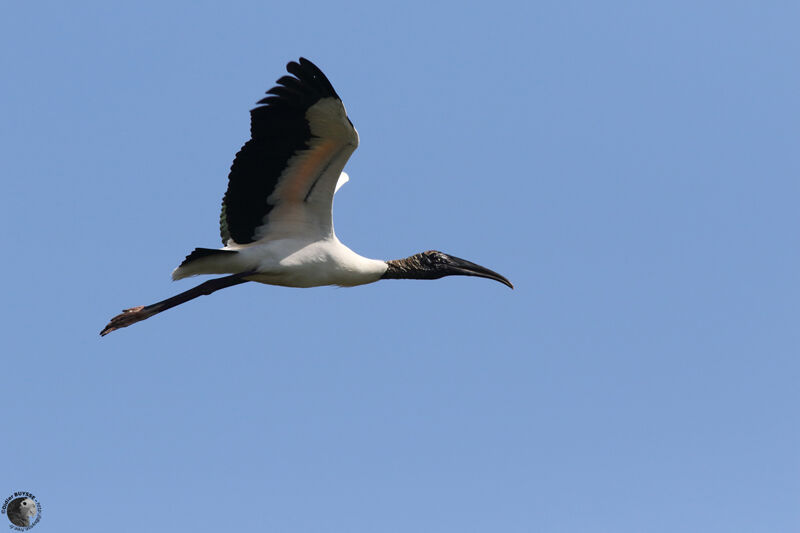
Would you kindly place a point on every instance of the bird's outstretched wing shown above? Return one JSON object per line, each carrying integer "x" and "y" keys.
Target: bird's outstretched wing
{"x": 283, "y": 179}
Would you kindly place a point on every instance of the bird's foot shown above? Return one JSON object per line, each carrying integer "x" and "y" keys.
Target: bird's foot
{"x": 126, "y": 318}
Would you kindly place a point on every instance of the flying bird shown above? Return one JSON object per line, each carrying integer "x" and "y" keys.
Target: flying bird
{"x": 276, "y": 222}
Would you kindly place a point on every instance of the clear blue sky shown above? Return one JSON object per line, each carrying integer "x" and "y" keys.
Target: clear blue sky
{"x": 632, "y": 167}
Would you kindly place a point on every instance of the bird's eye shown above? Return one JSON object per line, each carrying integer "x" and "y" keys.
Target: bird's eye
{"x": 24, "y": 503}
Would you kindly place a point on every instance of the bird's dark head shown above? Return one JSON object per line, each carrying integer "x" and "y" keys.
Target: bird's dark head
{"x": 434, "y": 264}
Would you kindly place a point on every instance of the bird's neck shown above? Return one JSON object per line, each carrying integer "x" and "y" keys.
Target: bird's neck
{"x": 406, "y": 268}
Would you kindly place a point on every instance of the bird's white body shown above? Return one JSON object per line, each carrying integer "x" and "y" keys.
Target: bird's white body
{"x": 293, "y": 262}
{"x": 323, "y": 262}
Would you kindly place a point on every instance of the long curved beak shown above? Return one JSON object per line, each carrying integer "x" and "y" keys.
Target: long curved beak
{"x": 462, "y": 267}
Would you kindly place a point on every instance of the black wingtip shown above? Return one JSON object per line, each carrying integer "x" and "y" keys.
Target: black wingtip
{"x": 307, "y": 72}
{"x": 306, "y": 85}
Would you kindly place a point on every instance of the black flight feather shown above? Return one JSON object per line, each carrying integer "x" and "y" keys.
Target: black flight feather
{"x": 279, "y": 130}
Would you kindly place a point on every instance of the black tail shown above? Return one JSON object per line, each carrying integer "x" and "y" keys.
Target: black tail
{"x": 201, "y": 253}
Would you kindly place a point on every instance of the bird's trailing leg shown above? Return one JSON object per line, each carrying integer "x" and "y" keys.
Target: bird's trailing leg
{"x": 137, "y": 314}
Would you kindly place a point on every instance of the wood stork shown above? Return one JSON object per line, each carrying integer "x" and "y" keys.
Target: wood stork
{"x": 276, "y": 222}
